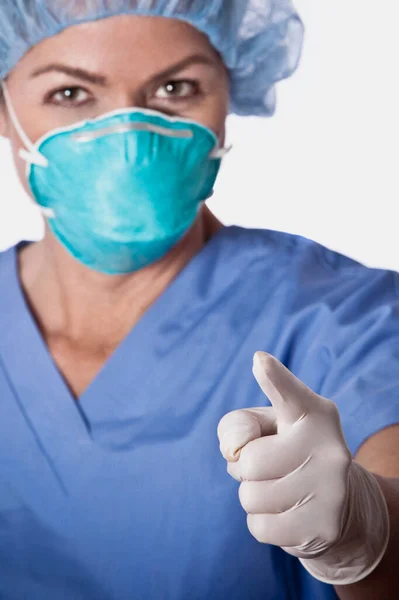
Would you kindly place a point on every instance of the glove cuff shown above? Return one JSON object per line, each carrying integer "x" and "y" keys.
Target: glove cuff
{"x": 365, "y": 535}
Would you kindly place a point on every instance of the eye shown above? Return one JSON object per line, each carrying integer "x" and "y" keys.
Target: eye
{"x": 69, "y": 96}
{"x": 177, "y": 89}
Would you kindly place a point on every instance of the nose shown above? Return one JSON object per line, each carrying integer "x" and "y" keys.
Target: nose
{"x": 127, "y": 98}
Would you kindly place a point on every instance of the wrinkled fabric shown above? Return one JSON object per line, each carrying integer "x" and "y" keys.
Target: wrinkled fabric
{"x": 125, "y": 494}
{"x": 260, "y": 40}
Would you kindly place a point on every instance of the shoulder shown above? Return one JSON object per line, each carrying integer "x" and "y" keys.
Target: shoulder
{"x": 337, "y": 327}
{"x": 309, "y": 264}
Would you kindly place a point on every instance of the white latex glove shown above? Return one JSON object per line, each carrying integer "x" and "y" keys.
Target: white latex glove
{"x": 300, "y": 487}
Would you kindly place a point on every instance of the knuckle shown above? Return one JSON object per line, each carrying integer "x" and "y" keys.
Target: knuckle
{"x": 330, "y": 532}
{"x": 246, "y": 496}
{"x": 252, "y": 460}
{"x": 330, "y": 408}
{"x": 228, "y": 419}
{"x": 248, "y": 464}
{"x": 340, "y": 459}
{"x": 233, "y": 471}
{"x": 257, "y": 529}
{"x": 224, "y": 422}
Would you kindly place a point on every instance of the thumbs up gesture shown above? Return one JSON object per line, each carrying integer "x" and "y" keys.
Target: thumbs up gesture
{"x": 299, "y": 485}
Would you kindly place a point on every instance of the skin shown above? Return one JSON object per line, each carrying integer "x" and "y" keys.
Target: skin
{"x": 84, "y": 315}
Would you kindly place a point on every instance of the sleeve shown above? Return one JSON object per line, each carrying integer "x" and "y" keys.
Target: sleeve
{"x": 361, "y": 338}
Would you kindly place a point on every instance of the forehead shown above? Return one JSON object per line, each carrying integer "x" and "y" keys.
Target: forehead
{"x": 141, "y": 43}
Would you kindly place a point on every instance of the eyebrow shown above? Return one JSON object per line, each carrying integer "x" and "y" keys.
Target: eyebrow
{"x": 194, "y": 59}
{"x": 72, "y": 72}
{"x": 98, "y": 79}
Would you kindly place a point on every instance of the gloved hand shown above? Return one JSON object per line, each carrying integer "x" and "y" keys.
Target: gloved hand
{"x": 300, "y": 487}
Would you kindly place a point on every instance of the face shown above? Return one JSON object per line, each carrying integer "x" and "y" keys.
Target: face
{"x": 119, "y": 62}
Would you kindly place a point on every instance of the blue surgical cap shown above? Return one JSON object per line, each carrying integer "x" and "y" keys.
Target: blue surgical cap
{"x": 260, "y": 41}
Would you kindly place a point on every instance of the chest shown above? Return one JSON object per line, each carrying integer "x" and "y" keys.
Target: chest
{"x": 79, "y": 364}
{"x": 126, "y": 490}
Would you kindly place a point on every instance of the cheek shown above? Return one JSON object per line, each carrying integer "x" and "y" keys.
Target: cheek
{"x": 213, "y": 115}
{"x": 219, "y": 112}
{"x": 222, "y": 136}
{"x": 20, "y": 165}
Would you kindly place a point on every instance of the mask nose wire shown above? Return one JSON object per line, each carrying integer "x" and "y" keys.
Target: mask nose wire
{"x": 29, "y": 153}
{"x": 217, "y": 152}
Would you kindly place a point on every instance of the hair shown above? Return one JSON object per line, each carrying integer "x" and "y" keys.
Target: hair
{"x": 2, "y": 98}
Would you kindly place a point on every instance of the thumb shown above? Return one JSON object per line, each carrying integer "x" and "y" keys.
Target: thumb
{"x": 290, "y": 397}
{"x": 239, "y": 427}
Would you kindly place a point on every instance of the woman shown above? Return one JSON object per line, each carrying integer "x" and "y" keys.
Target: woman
{"x": 127, "y": 333}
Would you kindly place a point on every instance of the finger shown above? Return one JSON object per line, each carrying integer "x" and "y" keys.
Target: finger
{"x": 234, "y": 471}
{"x": 278, "y": 529}
{"x": 287, "y": 530}
{"x": 239, "y": 427}
{"x": 296, "y": 529}
{"x": 269, "y": 458}
{"x": 289, "y": 396}
{"x": 275, "y": 496}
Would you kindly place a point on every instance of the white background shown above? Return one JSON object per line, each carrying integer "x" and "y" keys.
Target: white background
{"x": 326, "y": 165}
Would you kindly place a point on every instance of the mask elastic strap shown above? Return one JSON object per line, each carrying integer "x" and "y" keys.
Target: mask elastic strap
{"x": 220, "y": 153}
{"x": 29, "y": 154}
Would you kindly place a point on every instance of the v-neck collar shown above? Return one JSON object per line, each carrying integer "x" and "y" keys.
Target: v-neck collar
{"x": 39, "y": 387}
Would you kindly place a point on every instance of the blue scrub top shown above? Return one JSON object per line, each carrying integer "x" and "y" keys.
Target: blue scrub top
{"x": 125, "y": 495}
